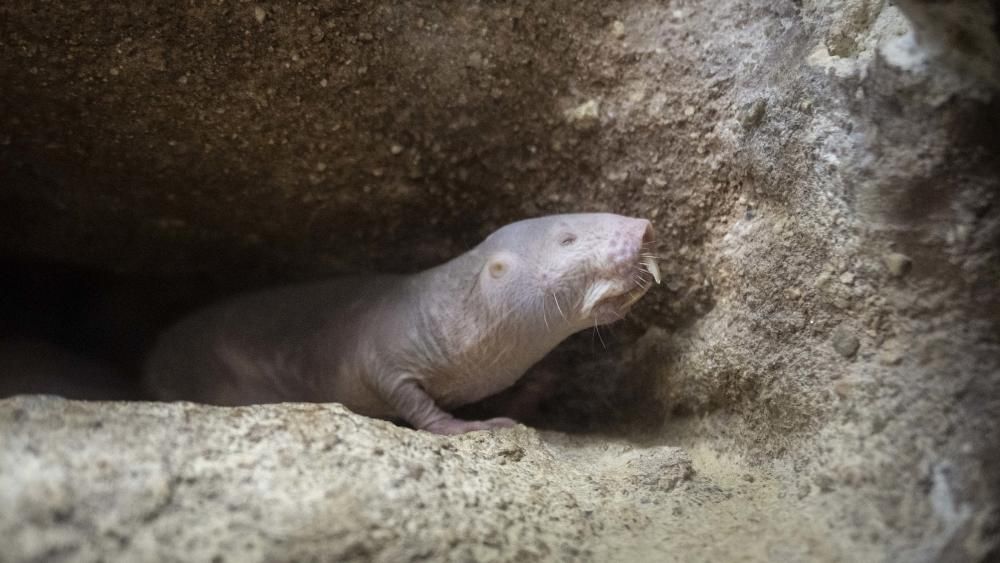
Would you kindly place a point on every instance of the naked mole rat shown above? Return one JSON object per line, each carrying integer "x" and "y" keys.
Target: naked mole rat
{"x": 412, "y": 346}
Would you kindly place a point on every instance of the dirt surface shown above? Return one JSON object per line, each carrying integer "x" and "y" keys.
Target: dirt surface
{"x": 824, "y": 181}
{"x": 312, "y": 482}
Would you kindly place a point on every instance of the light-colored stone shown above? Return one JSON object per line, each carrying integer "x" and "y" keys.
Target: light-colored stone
{"x": 845, "y": 342}
{"x": 898, "y": 264}
{"x": 585, "y": 115}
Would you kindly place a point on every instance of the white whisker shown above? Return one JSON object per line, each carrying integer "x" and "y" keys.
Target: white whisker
{"x": 545, "y": 316}
{"x": 599, "y": 337}
{"x": 559, "y": 307}
{"x": 503, "y": 352}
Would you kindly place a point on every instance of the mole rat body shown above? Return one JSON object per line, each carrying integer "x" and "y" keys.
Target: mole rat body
{"x": 411, "y": 347}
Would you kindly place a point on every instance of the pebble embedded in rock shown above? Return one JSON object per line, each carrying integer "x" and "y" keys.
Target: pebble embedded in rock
{"x": 259, "y": 14}
{"x": 584, "y": 115}
{"x": 898, "y": 264}
{"x": 890, "y": 358}
{"x": 618, "y": 176}
{"x": 618, "y": 29}
{"x": 845, "y": 343}
{"x": 752, "y": 114}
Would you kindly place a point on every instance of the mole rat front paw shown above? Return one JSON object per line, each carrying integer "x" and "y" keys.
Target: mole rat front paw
{"x": 453, "y": 426}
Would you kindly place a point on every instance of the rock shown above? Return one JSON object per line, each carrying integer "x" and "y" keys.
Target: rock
{"x": 890, "y": 357}
{"x": 585, "y": 115}
{"x": 845, "y": 342}
{"x": 475, "y": 60}
{"x": 187, "y": 482}
{"x": 657, "y": 468}
{"x": 751, "y": 114}
{"x": 617, "y": 29}
{"x": 898, "y": 264}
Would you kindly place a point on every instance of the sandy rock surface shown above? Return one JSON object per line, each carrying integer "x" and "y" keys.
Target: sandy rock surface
{"x": 145, "y": 481}
{"x": 138, "y": 481}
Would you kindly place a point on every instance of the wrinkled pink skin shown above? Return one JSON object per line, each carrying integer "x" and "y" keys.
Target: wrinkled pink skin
{"x": 411, "y": 347}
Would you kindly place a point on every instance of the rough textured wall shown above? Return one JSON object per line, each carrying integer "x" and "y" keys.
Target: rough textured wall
{"x": 823, "y": 177}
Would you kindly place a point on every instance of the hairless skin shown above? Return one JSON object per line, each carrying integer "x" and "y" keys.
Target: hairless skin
{"x": 411, "y": 347}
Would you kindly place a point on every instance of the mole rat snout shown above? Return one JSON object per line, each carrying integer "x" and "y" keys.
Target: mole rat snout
{"x": 627, "y": 242}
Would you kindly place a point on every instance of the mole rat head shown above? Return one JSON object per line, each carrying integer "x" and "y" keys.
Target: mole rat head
{"x": 574, "y": 270}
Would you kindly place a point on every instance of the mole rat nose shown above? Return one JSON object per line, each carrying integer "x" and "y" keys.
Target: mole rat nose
{"x": 648, "y": 236}
{"x": 628, "y": 240}
{"x": 639, "y": 233}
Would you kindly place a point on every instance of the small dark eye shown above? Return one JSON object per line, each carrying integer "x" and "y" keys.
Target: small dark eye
{"x": 567, "y": 240}
{"x": 498, "y": 269}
